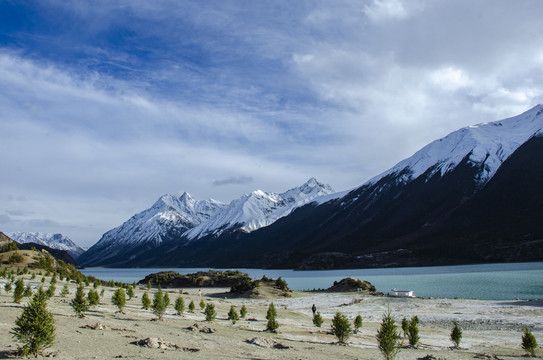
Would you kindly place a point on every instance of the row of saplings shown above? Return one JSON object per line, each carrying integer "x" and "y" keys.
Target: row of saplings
{"x": 35, "y": 327}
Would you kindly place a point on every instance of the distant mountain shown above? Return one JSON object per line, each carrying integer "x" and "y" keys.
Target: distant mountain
{"x": 258, "y": 209}
{"x": 166, "y": 220}
{"x": 53, "y": 241}
{"x": 182, "y": 220}
{"x": 472, "y": 196}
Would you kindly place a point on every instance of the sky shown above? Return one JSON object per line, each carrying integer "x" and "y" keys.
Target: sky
{"x": 106, "y": 105}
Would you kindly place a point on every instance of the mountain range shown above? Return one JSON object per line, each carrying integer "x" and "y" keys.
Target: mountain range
{"x": 472, "y": 196}
{"x": 53, "y": 241}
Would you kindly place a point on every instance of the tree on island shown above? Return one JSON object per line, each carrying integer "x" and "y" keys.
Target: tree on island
{"x": 79, "y": 303}
{"x": 341, "y": 327}
{"x": 35, "y": 328}
{"x": 387, "y": 337}
{"x": 202, "y": 304}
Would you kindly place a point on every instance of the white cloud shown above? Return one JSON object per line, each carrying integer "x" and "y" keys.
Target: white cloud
{"x": 385, "y": 9}
{"x": 273, "y": 93}
{"x": 450, "y": 78}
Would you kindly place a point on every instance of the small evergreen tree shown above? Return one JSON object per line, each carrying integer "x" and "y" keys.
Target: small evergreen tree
{"x": 166, "y": 299}
{"x": 93, "y": 297}
{"x": 19, "y": 291}
{"x": 233, "y": 314}
{"x": 271, "y": 316}
{"x": 64, "y": 292}
{"x": 405, "y": 326}
{"x": 357, "y": 323}
{"x": 413, "y": 332}
{"x": 192, "y": 306}
{"x": 202, "y": 304}
{"x": 243, "y": 311}
{"x": 79, "y": 303}
{"x": 146, "y": 301}
{"x": 51, "y": 290}
{"x": 28, "y": 291}
{"x": 149, "y": 285}
{"x": 341, "y": 327}
{"x": 130, "y": 292}
{"x": 179, "y": 305}
{"x": 159, "y": 304}
{"x": 456, "y": 334}
{"x": 210, "y": 312}
{"x": 7, "y": 287}
{"x": 119, "y": 299}
{"x": 317, "y": 319}
{"x": 529, "y": 343}
{"x": 35, "y": 327}
{"x": 387, "y": 337}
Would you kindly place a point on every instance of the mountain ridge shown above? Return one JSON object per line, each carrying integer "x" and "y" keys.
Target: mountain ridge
{"x": 53, "y": 241}
{"x": 401, "y": 217}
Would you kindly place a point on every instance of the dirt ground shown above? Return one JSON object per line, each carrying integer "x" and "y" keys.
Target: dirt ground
{"x": 491, "y": 329}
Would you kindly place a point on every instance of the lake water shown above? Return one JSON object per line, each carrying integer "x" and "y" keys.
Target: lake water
{"x": 485, "y": 281}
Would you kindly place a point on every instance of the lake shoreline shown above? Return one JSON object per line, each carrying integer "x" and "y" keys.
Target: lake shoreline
{"x": 508, "y": 281}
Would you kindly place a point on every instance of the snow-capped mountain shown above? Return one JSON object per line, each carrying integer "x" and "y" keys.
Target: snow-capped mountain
{"x": 167, "y": 219}
{"x": 487, "y": 145}
{"x": 168, "y": 214}
{"x": 258, "y": 209}
{"x": 54, "y": 241}
{"x": 184, "y": 218}
{"x": 472, "y": 196}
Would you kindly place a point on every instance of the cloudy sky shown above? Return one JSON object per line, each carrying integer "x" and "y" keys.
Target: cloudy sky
{"x": 105, "y": 105}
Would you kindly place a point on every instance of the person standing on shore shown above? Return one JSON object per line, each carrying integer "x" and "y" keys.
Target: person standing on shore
{"x": 314, "y": 308}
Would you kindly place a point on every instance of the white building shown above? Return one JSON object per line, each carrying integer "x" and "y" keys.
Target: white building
{"x": 402, "y": 293}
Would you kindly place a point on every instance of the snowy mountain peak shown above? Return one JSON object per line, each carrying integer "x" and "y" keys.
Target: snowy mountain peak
{"x": 258, "y": 209}
{"x": 54, "y": 241}
{"x": 487, "y": 145}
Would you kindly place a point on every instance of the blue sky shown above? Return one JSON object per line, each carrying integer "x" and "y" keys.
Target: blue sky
{"x": 106, "y": 105}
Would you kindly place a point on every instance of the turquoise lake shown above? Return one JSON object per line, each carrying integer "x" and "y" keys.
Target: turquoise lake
{"x": 486, "y": 281}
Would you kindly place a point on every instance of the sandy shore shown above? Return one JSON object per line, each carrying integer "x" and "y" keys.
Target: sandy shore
{"x": 493, "y": 328}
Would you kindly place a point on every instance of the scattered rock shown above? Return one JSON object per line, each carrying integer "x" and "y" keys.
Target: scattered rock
{"x": 430, "y": 357}
{"x": 201, "y": 328}
{"x": 96, "y": 326}
{"x": 156, "y": 343}
{"x": 267, "y": 343}
{"x": 486, "y": 356}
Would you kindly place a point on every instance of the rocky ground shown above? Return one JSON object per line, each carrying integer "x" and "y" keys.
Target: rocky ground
{"x": 491, "y": 329}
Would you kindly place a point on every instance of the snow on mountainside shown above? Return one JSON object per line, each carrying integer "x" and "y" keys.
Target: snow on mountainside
{"x": 488, "y": 145}
{"x": 167, "y": 213}
{"x": 258, "y": 209}
{"x": 54, "y": 241}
